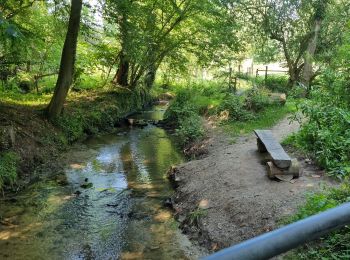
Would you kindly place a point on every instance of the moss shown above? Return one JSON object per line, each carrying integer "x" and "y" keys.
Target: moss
{"x": 8, "y": 169}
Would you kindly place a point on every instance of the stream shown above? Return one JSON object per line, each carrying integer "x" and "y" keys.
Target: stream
{"x": 107, "y": 204}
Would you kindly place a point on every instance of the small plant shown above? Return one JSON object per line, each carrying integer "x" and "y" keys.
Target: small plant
{"x": 195, "y": 216}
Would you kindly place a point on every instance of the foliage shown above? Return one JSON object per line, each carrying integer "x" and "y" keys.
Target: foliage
{"x": 290, "y": 24}
{"x": 275, "y": 83}
{"x": 326, "y": 133}
{"x": 8, "y": 169}
{"x": 336, "y": 244}
{"x": 264, "y": 119}
{"x": 190, "y": 129}
{"x": 87, "y": 118}
{"x": 235, "y": 107}
{"x": 195, "y": 216}
{"x": 256, "y": 99}
{"x": 252, "y": 109}
{"x": 183, "y": 115}
{"x": 180, "y": 108}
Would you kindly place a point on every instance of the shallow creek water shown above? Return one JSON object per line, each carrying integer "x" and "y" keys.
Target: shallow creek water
{"x": 120, "y": 217}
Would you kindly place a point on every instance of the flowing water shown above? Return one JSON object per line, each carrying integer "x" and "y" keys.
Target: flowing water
{"x": 107, "y": 204}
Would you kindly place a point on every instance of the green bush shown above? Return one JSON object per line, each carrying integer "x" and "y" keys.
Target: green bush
{"x": 326, "y": 133}
{"x": 190, "y": 129}
{"x": 274, "y": 83}
{"x": 72, "y": 126}
{"x": 8, "y": 169}
{"x": 235, "y": 107}
{"x": 180, "y": 108}
{"x": 184, "y": 116}
{"x": 335, "y": 245}
{"x": 257, "y": 99}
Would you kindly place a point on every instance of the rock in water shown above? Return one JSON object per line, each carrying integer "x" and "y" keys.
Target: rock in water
{"x": 87, "y": 185}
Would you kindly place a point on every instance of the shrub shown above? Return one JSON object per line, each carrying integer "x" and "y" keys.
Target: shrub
{"x": 72, "y": 126}
{"x": 8, "y": 169}
{"x": 24, "y": 81}
{"x": 275, "y": 83}
{"x": 257, "y": 100}
{"x": 180, "y": 108}
{"x": 326, "y": 133}
{"x": 234, "y": 105}
{"x": 184, "y": 116}
{"x": 336, "y": 244}
{"x": 190, "y": 129}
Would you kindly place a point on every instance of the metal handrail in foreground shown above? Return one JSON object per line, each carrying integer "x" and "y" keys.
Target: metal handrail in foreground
{"x": 288, "y": 237}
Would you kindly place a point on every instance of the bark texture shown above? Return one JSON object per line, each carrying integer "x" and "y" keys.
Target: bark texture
{"x": 65, "y": 75}
{"x": 307, "y": 72}
{"x": 121, "y": 77}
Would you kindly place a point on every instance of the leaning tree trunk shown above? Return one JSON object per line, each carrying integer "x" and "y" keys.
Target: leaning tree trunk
{"x": 65, "y": 75}
{"x": 307, "y": 72}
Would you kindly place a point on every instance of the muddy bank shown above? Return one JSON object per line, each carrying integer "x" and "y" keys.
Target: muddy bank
{"x": 226, "y": 197}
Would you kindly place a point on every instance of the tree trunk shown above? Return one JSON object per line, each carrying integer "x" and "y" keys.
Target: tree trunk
{"x": 66, "y": 71}
{"x": 121, "y": 77}
{"x": 293, "y": 78}
{"x": 309, "y": 56}
{"x": 150, "y": 76}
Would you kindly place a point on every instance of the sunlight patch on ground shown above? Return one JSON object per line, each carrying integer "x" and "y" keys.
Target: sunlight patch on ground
{"x": 77, "y": 166}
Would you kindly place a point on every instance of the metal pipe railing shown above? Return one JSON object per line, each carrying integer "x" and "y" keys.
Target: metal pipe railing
{"x": 288, "y": 237}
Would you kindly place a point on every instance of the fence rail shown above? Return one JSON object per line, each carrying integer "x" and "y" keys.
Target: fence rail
{"x": 288, "y": 237}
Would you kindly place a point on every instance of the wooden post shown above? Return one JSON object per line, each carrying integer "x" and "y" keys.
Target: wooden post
{"x": 257, "y": 73}
{"x": 266, "y": 68}
{"x": 239, "y": 69}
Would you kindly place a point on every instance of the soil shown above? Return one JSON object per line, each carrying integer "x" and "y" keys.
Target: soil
{"x": 33, "y": 138}
{"x": 226, "y": 197}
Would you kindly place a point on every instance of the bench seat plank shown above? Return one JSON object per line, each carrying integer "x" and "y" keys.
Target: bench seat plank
{"x": 280, "y": 158}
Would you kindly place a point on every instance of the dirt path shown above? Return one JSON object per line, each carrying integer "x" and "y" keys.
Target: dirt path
{"x": 242, "y": 201}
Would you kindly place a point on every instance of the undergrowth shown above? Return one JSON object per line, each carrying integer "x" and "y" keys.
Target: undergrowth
{"x": 264, "y": 119}
{"x": 275, "y": 83}
{"x": 8, "y": 169}
{"x": 333, "y": 246}
{"x": 237, "y": 113}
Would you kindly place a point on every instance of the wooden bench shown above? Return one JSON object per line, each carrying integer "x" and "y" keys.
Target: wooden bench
{"x": 281, "y": 163}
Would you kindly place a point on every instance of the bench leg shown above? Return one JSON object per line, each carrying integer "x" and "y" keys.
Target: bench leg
{"x": 272, "y": 170}
{"x": 294, "y": 169}
{"x": 261, "y": 146}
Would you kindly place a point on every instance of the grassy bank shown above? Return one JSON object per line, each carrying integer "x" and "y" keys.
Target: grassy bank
{"x": 265, "y": 119}
{"x": 28, "y": 139}
{"x": 238, "y": 114}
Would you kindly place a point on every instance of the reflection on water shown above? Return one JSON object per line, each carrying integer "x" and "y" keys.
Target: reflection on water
{"x": 118, "y": 215}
